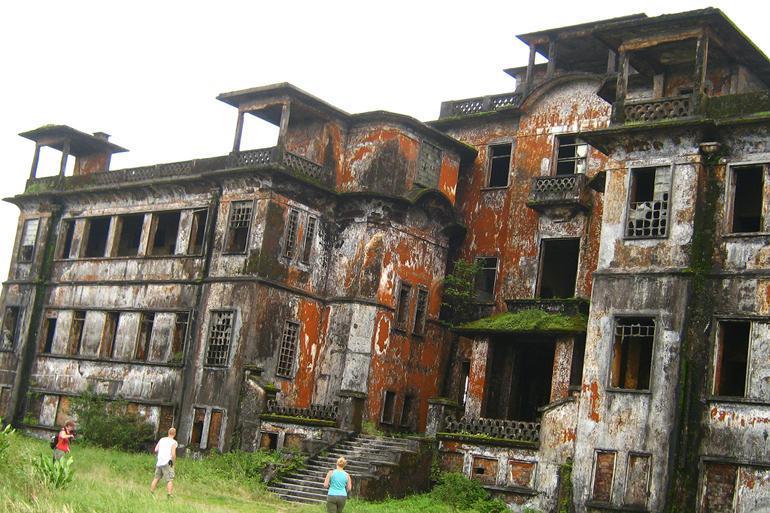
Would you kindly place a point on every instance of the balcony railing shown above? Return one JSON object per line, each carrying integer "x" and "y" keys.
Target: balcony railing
{"x": 559, "y": 191}
{"x": 470, "y": 106}
{"x": 513, "y": 430}
{"x": 249, "y": 158}
{"x": 656, "y": 110}
{"x": 315, "y": 411}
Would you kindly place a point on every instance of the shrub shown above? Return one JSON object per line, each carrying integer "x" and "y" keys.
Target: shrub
{"x": 5, "y": 440}
{"x": 458, "y": 491}
{"x": 109, "y": 424}
{"x": 54, "y": 474}
{"x": 460, "y": 292}
{"x": 257, "y": 467}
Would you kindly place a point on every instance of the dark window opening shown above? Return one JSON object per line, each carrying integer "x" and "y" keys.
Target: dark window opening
{"x": 76, "y": 331}
{"x": 144, "y": 336}
{"x": 28, "y": 239}
{"x": 571, "y": 156}
{"x": 49, "y": 332}
{"x": 268, "y": 441}
{"x": 307, "y": 247}
{"x": 165, "y": 228}
{"x": 107, "y": 347}
{"x": 220, "y": 335}
{"x": 10, "y": 328}
{"x": 67, "y": 233}
{"x": 34, "y": 408}
{"x": 407, "y": 412}
{"x": 558, "y": 267}
{"x": 197, "y": 232}
{"x": 96, "y": 237}
{"x": 632, "y": 353}
{"x": 649, "y": 202}
{"x": 388, "y": 407}
{"x": 166, "y": 420}
{"x": 130, "y": 228}
{"x": 238, "y": 228}
{"x": 428, "y": 165}
{"x": 578, "y": 358}
{"x": 719, "y": 480}
{"x": 290, "y": 240}
{"x": 732, "y": 356}
{"x": 519, "y": 375}
{"x": 288, "y": 349}
{"x": 420, "y": 311}
{"x": 485, "y": 279}
{"x": 180, "y": 335}
{"x": 499, "y": 165}
{"x": 465, "y": 381}
{"x": 196, "y": 434}
{"x": 747, "y": 199}
{"x": 402, "y": 307}
{"x": 215, "y": 429}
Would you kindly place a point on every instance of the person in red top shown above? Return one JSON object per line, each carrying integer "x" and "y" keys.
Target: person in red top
{"x": 66, "y": 434}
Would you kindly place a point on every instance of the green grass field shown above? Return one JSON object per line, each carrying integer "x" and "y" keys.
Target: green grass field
{"x": 108, "y": 481}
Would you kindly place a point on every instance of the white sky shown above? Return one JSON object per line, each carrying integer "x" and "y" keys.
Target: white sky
{"x": 148, "y": 72}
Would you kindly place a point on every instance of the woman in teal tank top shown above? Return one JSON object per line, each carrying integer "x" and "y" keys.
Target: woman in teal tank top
{"x": 338, "y": 482}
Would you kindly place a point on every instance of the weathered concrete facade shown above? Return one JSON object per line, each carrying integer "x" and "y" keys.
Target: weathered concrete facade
{"x": 615, "y": 203}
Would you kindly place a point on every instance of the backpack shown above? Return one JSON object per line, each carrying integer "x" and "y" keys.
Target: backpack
{"x": 54, "y": 440}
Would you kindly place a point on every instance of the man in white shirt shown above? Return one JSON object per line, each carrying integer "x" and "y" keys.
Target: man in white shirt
{"x": 164, "y": 468}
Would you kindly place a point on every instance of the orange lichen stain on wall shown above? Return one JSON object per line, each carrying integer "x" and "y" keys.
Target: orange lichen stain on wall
{"x": 385, "y": 293}
{"x": 309, "y": 315}
{"x": 382, "y": 333}
{"x": 567, "y": 435}
{"x": 593, "y": 390}
{"x": 447, "y": 183}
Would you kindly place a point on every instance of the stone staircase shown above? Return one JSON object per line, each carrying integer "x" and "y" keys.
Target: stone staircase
{"x": 361, "y": 452}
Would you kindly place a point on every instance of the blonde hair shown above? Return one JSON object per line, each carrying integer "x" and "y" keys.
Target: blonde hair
{"x": 341, "y": 462}
{"x": 171, "y": 431}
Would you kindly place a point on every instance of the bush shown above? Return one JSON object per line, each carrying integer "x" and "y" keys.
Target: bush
{"x": 458, "y": 491}
{"x": 459, "y": 295}
{"x": 5, "y": 440}
{"x": 108, "y": 424}
{"x": 257, "y": 466}
{"x": 54, "y": 474}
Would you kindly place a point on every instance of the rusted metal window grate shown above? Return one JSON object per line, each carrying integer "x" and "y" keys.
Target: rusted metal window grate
{"x": 238, "y": 230}
{"x": 632, "y": 353}
{"x": 428, "y": 165}
{"x": 288, "y": 349}
{"x": 290, "y": 242}
{"x": 307, "y": 245}
{"x": 649, "y": 203}
{"x": 220, "y": 336}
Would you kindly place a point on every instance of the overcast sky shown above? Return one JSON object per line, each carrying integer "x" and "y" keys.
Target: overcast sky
{"x": 148, "y": 72}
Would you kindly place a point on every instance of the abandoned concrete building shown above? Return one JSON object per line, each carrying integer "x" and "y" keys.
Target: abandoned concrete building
{"x": 616, "y": 203}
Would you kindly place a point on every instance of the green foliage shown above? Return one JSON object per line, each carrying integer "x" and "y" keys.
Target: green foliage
{"x": 530, "y": 321}
{"x": 460, "y": 291}
{"x": 5, "y": 440}
{"x": 256, "y": 467}
{"x": 108, "y": 424}
{"x": 463, "y": 494}
{"x": 370, "y": 428}
{"x": 54, "y": 474}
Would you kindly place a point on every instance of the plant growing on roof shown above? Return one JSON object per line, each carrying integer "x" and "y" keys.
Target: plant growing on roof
{"x": 460, "y": 292}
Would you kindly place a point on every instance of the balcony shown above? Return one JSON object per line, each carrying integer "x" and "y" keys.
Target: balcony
{"x": 492, "y": 431}
{"x": 481, "y": 104}
{"x": 559, "y": 196}
{"x": 261, "y": 158}
{"x": 648, "y": 110}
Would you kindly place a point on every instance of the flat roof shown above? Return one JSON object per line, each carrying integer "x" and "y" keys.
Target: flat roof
{"x": 81, "y": 143}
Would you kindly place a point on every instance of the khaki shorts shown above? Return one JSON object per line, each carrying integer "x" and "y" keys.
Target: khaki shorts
{"x": 166, "y": 472}
{"x": 58, "y": 454}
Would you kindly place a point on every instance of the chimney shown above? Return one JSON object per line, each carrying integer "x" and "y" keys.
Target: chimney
{"x": 102, "y": 135}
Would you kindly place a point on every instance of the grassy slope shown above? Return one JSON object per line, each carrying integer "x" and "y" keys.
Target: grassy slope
{"x": 114, "y": 482}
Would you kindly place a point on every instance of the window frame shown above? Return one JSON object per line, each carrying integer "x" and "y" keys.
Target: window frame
{"x": 716, "y": 342}
{"x": 86, "y": 238}
{"x": 729, "y": 198}
{"x": 290, "y": 244}
{"x": 16, "y": 328}
{"x": 62, "y": 237}
{"x": 154, "y": 221}
{"x": 476, "y": 289}
{"x": 630, "y": 189}
{"x": 557, "y": 146}
{"x": 392, "y": 419}
{"x": 417, "y": 322}
{"x": 490, "y": 162}
{"x": 34, "y": 243}
{"x": 227, "y": 234}
{"x": 422, "y": 156}
{"x": 656, "y": 333}
{"x": 230, "y": 341}
{"x": 406, "y": 303}
{"x": 194, "y": 224}
{"x": 74, "y": 350}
